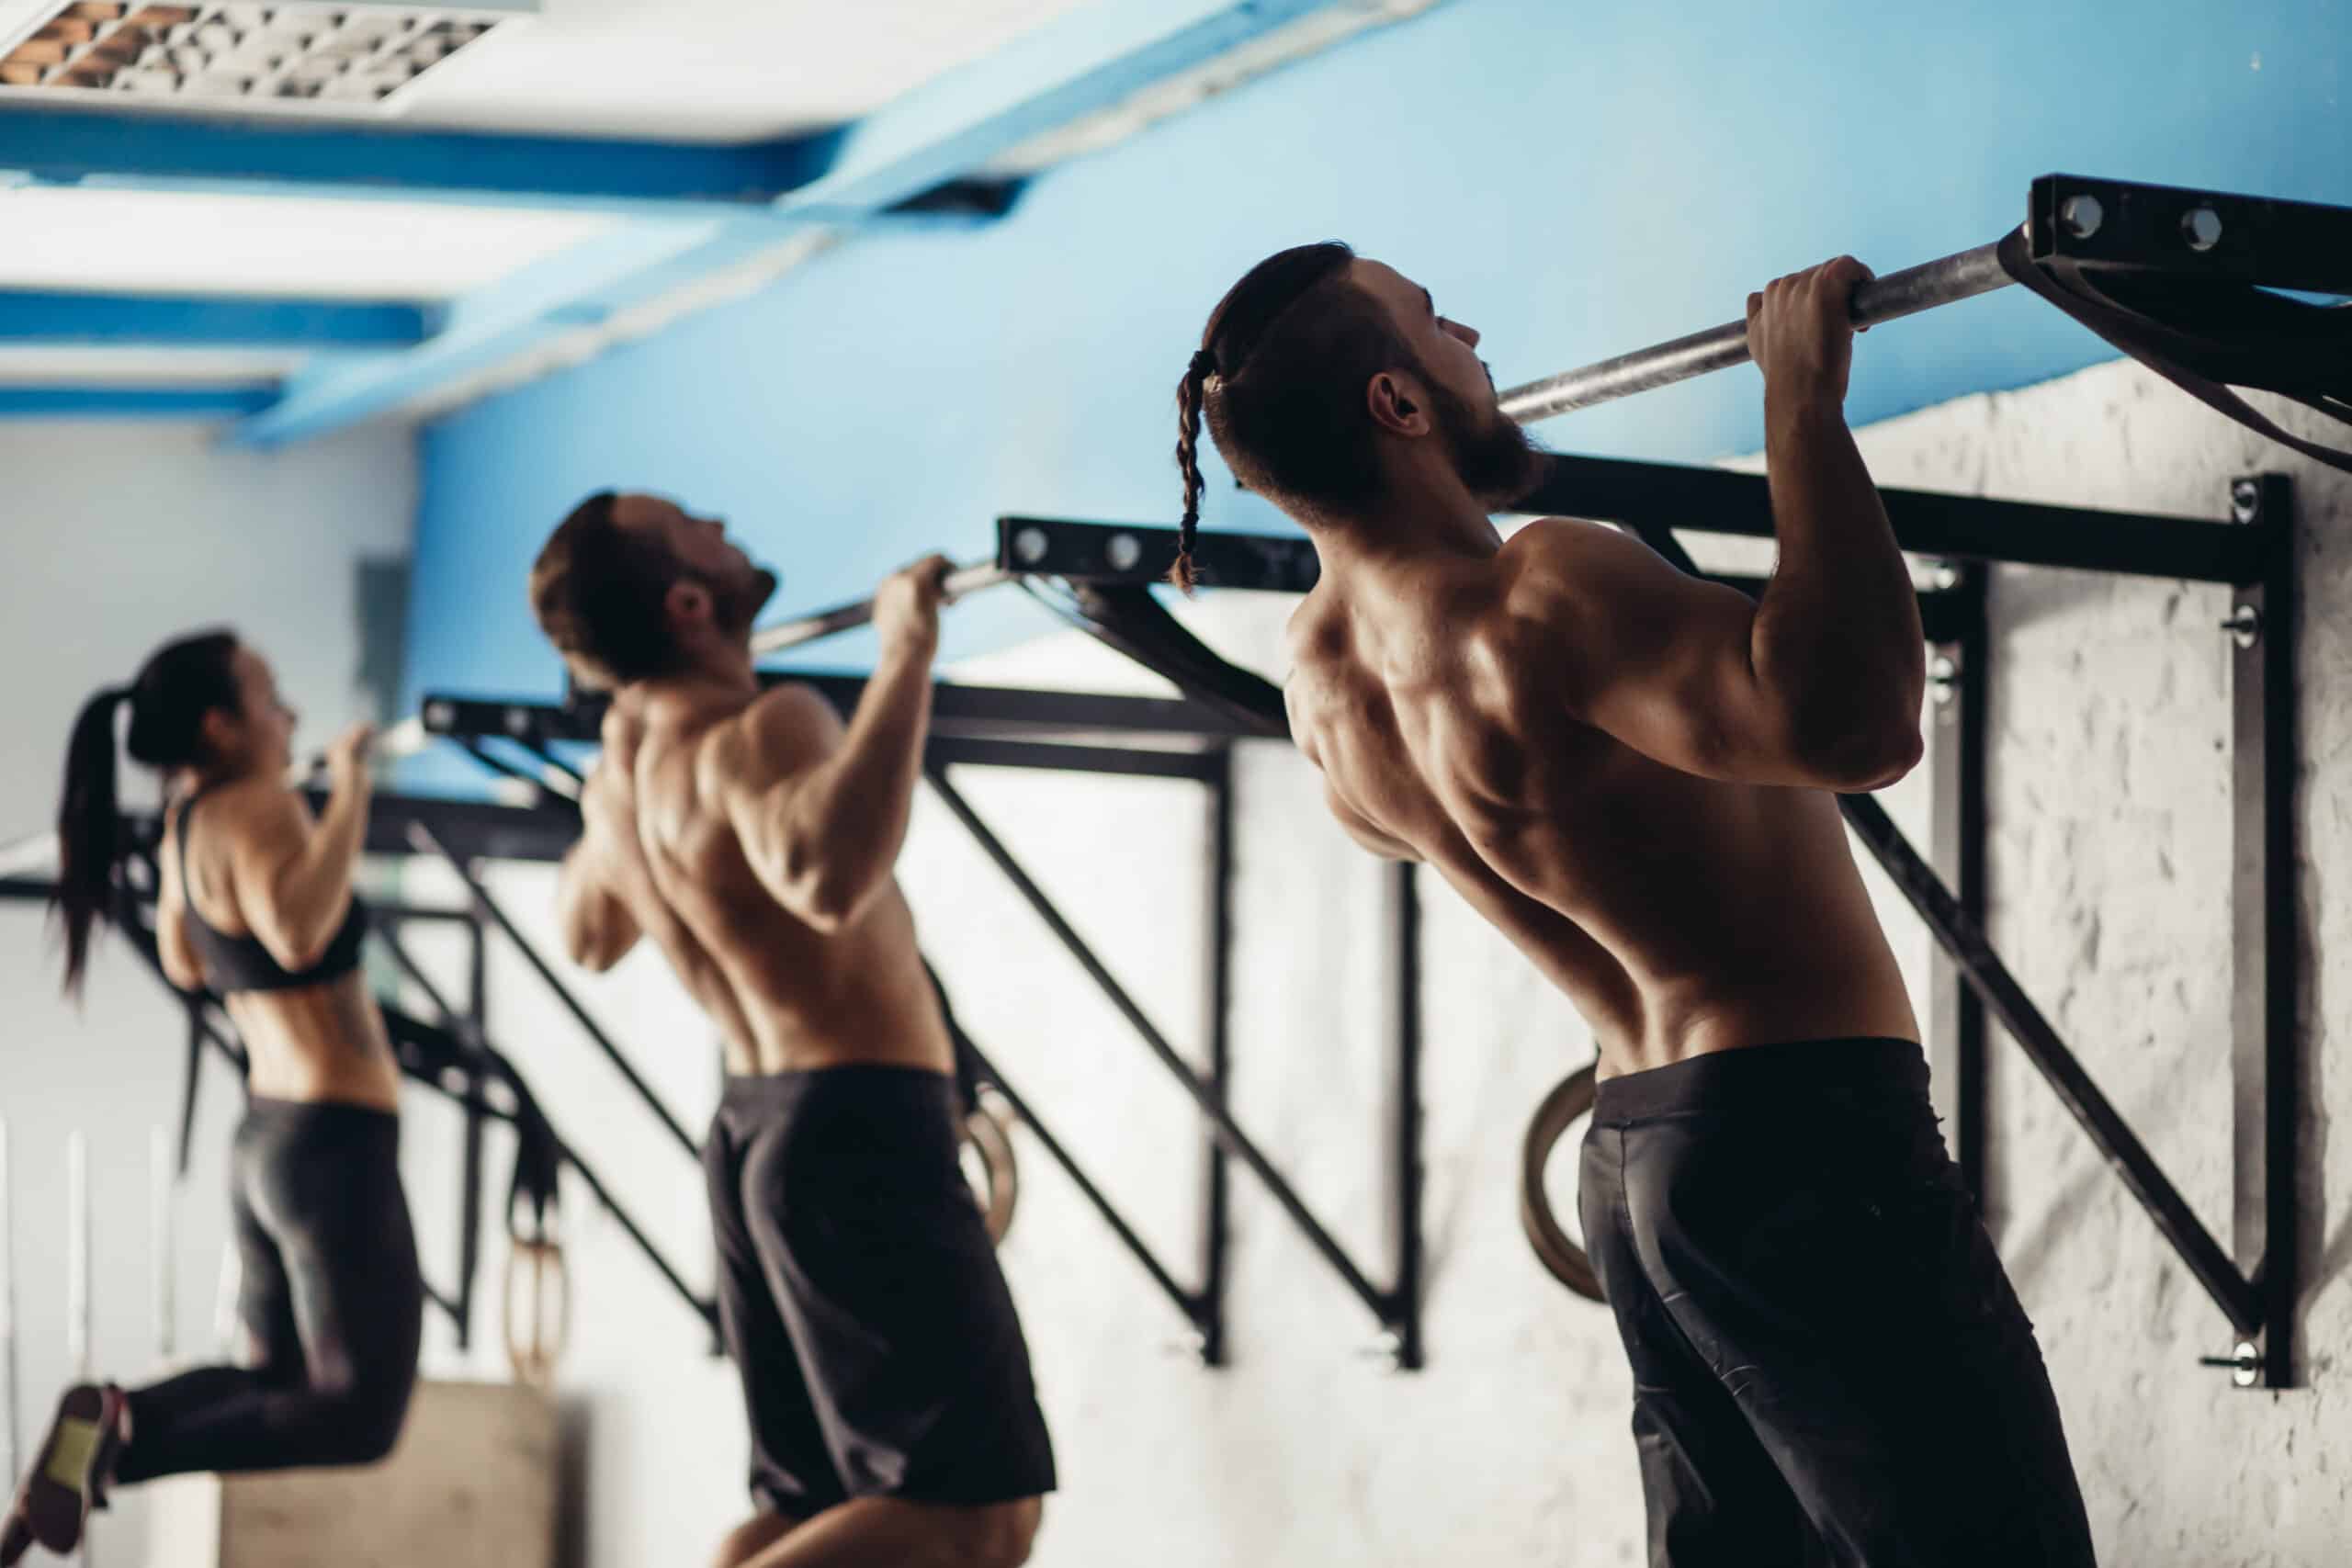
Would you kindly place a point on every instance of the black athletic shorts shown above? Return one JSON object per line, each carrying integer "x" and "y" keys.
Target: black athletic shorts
{"x": 1829, "y": 1365}
{"x": 860, "y": 1296}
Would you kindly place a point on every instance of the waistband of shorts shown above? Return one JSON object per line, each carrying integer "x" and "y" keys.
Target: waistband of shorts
{"x": 767, "y": 1089}
{"x": 263, "y": 1108}
{"x": 1756, "y": 1077}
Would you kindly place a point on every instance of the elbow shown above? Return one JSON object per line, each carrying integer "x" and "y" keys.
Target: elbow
{"x": 1865, "y": 756}
{"x": 588, "y": 954}
{"x": 580, "y": 940}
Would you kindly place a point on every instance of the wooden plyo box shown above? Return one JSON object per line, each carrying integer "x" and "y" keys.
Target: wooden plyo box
{"x": 472, "y": 1484}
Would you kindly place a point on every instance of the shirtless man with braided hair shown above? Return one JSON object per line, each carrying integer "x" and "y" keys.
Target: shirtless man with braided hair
{"x": 1632, "y": 774}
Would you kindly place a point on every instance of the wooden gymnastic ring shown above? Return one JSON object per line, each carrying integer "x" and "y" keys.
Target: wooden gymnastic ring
{"x": 1571, "y": 1100}
{"x": 996, "y": 1185}
{"x": 533, "y": 1355}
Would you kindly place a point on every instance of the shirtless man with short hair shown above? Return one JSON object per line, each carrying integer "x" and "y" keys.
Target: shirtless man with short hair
{"x": 1632, "y": 774}
{"x": 752, "y": 836}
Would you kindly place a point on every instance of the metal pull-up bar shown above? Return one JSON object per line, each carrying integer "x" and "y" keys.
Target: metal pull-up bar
{"x": 960, "y": 581}
{"x": 1899, "y": 294}
{"x": 404, "y": 738}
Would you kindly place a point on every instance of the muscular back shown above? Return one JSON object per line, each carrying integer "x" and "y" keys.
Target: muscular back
{"x": 1461, "y": 711}
{"x": 667, "y": 814}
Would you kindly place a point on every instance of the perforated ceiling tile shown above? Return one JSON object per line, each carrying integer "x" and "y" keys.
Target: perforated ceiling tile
{"x": 335, "y": 57}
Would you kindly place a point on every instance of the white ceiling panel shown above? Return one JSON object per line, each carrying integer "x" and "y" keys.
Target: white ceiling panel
{"x": 144, "y": 367}
{"x": 711, "y": 70}
{"x": 678, "y": 70}
{"x": 155, "y": 242}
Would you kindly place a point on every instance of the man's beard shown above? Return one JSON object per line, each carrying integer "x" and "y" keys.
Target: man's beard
{"x": 1493, "y": 456}
{"x": 736, "y": 603}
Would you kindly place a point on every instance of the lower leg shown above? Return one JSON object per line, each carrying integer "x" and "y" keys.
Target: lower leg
{"x": 227, "y": 1419}
{"x": 888, "y": 1532}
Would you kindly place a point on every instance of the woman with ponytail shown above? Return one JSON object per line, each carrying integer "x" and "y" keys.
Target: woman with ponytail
{"x": 256, "y": 903}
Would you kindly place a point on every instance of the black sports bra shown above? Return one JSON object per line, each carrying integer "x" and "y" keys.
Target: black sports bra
{"x": 241, "y": 962}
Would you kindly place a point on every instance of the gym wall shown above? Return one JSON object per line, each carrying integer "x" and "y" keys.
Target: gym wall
{"x": 122, "y": 534}
{"x": 2109, "y": 836}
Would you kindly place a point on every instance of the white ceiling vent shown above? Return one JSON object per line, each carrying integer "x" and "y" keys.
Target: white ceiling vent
{"x": 322, "y": 58}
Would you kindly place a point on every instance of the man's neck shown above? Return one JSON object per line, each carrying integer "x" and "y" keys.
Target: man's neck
{"x": 722, "y": 679}
{"x": 1418, "y": 515}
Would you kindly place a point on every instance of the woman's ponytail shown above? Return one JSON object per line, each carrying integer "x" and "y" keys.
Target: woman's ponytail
{"x": 88, "y": 825}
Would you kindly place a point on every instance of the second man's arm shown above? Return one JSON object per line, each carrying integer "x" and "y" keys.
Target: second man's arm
{"x": 821, "y": 810}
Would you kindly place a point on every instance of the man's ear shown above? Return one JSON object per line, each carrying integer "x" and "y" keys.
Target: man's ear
{"x": 1398, "y": 405}
{"x": 687, "y": 601}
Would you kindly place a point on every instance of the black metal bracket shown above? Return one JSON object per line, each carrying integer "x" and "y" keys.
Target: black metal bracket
{"x": 1112, "y": 553}
{"x": 2191, "y": 234}
{"x": 958, "y": 713}
{"x": 2265, "y": 1056}
{"x": 1959, "y": 692}
{"x": 1397, "y": 1309}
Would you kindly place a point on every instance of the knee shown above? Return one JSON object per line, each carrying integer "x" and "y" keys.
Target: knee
{"x": 997, "y": 1536}
{"x": 363, "y": 1422}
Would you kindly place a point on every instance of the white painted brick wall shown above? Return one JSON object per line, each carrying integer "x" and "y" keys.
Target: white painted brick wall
{"x": 2109, "y": 812}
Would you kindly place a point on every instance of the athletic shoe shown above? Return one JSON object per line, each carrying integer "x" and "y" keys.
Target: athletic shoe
{"x": 69, "y": 1478}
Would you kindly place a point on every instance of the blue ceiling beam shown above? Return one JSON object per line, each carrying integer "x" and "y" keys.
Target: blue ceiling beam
{"x": 152, "y": 151}
{"x": 1088, "y": 60}
{"x": 74, "y": 319}
{"x": 130, "y": 402}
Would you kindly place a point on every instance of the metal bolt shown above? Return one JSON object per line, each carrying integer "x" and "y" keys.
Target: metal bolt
{"x": 1943, "y": 677}
{"x": 2245, "y": 501}
{"x": 2082, "y": 216}
{"x": 1943, "y": 576}
{"x": 519, "y": 721}
{"x": 439, "y": 715}
{"x": 2201, "y": 227}
{"x": 2244, "y": 625}
{"x": 1029, "y": 545}
{"x": 1123, "y": 552}
{"x": 2245, "y": 1362}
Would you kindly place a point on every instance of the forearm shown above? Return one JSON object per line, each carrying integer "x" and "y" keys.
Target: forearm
{"x": 1836, "y": 640}
{"x": 572, "y": 899}
{"x": 850, "y": 815}
{"x": 314, "y": 892}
